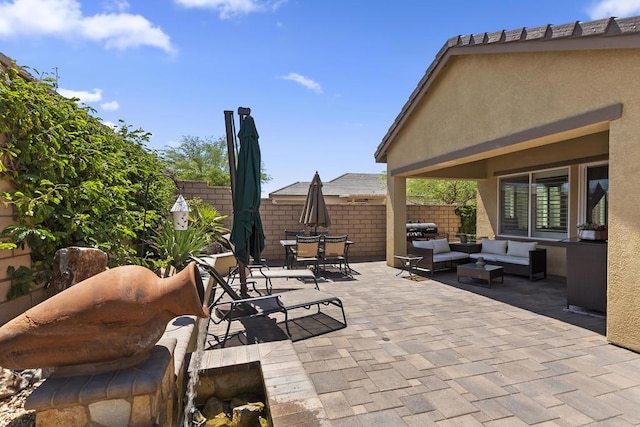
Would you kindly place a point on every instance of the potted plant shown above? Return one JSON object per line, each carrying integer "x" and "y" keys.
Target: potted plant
{"x": 592, "y": 231}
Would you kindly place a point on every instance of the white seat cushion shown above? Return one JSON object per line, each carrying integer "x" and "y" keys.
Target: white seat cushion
{"x": 520, "y": 260}
{"x": 450, "y": 256}
{"x": 486, "y": 256}
{"x": 498, "y": 247}
{"x": 521, "y": 249}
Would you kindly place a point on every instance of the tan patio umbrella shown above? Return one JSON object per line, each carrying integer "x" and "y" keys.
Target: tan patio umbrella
{"x": 315, "y": 211}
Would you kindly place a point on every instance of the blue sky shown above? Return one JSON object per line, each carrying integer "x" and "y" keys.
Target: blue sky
{"x": 324, "y": 78}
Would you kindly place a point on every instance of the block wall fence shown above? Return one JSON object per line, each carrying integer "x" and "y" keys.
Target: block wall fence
{"x": 364, "y": 224}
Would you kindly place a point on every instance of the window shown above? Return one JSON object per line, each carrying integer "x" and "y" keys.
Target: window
{"x": 595, "y": 194}
{"x": 535, "y": 204}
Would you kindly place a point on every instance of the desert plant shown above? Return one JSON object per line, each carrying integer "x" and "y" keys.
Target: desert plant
{"x": 209, "y": 219}
{"x": 174, "y": 247}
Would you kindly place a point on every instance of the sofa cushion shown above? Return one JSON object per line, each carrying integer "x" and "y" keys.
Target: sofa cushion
{"x": 487, "y": 257}
{"x": 440, "y": 246}
{"x": 424, "y": 244}
{"x": 520, "y": 249}
{"x": 520, "y": 260}
{"x": 498, "y": 247}
{"x": 450, "y": 256}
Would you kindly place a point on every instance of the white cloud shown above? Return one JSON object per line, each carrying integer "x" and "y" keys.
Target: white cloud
{"x": 82, "y": 95}
{"x": 617, "y": 8}
{"x": 303, "y": 81}
{"x": 110, "y": 106}
{"x": 110, "y": 124}
{"x": 229, "y": 8}
{"x": 119, "y": 5}
{"x": 64, "y": 19}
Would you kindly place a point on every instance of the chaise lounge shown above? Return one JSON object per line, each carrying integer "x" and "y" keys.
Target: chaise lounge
{"x": 239, "y": 308}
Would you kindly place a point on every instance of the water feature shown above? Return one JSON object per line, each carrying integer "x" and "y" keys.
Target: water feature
{"x": 191, "y": 413}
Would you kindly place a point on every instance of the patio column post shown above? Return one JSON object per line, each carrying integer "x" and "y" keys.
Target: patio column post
{"x": 396, "y": 217}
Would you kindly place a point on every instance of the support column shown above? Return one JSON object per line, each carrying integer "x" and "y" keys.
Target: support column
{"x": 396, "y": 218}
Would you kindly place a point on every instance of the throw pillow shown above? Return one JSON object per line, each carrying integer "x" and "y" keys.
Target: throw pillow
{"x": 424, "y": 244}
{"x": 520, "y": 249}
{"x": 440, "y": 246}
{"x": 498, "y": 247}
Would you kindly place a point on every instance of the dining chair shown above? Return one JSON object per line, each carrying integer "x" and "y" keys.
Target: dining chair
{"x": 289, "y": 251}
{"x": 307, "y": 251}
{"x": 335, "y": 252}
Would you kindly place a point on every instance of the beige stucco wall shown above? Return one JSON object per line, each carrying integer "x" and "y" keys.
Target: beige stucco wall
{"x": 477, "y": 99}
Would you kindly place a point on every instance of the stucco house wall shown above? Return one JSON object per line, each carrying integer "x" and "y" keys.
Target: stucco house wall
{"x": 535, "y": 99}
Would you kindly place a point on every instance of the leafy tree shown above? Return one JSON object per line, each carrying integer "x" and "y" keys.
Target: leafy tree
{"x": 460, "y": 193}
{"x": 449, "y": 192}
{"x": 76, "y": 182}
{"x": 202, "y": 159}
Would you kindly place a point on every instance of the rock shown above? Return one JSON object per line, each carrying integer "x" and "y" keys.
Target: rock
{"x": 11, "y": 383}
{"x": 246, "y": 398}
{"x": 247, "y": 415}
{"x": 220, "y": 421}
{"x": 75, "y": 264}
{"x": 214, "y": 407}
{"x": 226, "y": 385}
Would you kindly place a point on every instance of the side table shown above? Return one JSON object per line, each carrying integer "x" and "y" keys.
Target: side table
{"x": 409, "y": 263}
{"x": 467, "y": 248}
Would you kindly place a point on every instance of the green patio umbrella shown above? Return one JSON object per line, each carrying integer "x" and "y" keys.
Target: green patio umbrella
{"x": 247, "y": 234}
{"x": 315, "y": 212}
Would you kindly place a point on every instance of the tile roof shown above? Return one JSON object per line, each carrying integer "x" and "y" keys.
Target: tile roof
{"x": 609, "y": 33}
{"x": 349, "y": 184}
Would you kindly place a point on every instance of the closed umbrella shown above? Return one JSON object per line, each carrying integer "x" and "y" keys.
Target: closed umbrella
{"x": 247, "y": 234}
{"x": 315, "y": 212}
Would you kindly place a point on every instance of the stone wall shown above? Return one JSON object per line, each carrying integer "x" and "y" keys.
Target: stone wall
{"x": 364, "y": 224}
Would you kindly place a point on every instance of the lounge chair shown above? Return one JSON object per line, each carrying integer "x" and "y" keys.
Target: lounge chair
{"x": 240, "y": 308}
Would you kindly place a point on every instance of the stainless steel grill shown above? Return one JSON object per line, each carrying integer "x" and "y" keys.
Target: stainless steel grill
{"x": 421, "y": 230}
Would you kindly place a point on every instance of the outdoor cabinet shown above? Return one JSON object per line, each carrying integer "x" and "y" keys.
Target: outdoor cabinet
{"x": 587, "y": 275}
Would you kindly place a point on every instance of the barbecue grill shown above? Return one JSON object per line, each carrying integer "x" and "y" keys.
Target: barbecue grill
{"x": 421, "y": 230}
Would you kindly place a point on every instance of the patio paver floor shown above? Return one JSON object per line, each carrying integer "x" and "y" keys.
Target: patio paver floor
{"x": 435, "y": 352}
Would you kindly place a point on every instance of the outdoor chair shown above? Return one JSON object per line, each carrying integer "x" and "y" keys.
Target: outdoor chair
{"x": 334, "y": 251}
{"x": 289, "y": 251}
{"x": 235, "y": 307}
{"x": 307, "y": 251}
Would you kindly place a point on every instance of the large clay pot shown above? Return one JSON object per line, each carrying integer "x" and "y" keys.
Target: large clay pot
{"x": 113, "y": 318}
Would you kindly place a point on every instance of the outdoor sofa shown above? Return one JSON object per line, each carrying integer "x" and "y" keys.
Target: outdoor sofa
{"x": 519, "y": 258}
{"x": 436, "y": 254}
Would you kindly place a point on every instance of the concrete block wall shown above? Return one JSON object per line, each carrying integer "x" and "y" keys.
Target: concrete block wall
{"x": 364, "y": 224}
{"x": 16, "y": 257}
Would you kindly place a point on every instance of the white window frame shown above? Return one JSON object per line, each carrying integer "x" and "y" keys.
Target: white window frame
{"x": 582, "y": 189}
{"x": 530, "y": 174}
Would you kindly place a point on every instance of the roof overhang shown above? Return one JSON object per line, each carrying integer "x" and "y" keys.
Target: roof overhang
{"x": 473, "y": 157}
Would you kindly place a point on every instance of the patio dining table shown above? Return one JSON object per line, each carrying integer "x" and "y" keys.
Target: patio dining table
{"x": 289, "y": 244}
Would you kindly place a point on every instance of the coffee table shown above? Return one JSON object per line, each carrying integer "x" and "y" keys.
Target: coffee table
{"x": 486, "y": 272}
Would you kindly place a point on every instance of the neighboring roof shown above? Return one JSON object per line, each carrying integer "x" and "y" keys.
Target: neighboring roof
{"x": 6, "y": 62}
{"x": 349, "y": 184}
{"x": 610, "y": 33}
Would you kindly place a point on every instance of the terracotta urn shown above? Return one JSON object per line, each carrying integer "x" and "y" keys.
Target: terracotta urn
{"x": 110, "y": 320}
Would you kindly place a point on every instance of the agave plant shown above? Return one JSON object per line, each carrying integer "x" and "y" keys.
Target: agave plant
{"x": 209, "y": 219}
{"x": 174, "y": 247}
